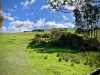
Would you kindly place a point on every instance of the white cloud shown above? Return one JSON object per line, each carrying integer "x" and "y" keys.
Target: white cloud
{"x": 26, "y": 14}
{"x": 70, "y": 25}
{"x": 53, "y": 24}
{"x": 40, "y": 23}
{"x": 11, "y": 10}
{"x": 69, "y": 7}
{"x": 32, "y": 1}
{"x": 26, "y": 3}
{"x": 45, "y": 7}
{"x": 15, "y": 6}
{"x": 31, "y": 13}
{"x": 8, "y": 16}
{"x": 3, "y": 29}
{"x": 65, "y": 18}
{"x": 20, "y": 26}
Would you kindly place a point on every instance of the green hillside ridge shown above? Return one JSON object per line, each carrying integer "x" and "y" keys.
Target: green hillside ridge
{"x": 17, "y": 58}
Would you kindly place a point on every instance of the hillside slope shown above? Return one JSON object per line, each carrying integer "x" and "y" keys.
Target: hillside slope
{"x": 16, "y": 59}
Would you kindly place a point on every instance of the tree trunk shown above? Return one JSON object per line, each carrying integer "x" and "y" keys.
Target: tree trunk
{"x": 91, "y": 31}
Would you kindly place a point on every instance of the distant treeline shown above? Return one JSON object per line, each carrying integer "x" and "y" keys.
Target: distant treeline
{"x": 42, "y": 30}
{"x": 39, "y": 30}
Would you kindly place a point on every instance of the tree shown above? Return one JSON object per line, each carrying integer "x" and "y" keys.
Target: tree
{"x": 85, "y": 12}
{"x": 1, "y": 16}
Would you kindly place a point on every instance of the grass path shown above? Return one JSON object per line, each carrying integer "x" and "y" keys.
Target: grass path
{"x": 13, "y": 58}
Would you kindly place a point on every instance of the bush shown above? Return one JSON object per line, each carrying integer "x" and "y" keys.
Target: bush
{"x": 75, "y": 60}
{"x": 56, "y": 34}
{"x": 63, "y": 39}
{"x": 66, "y": 58}
{"x": 38, "y": 36}
{"x": 38, "y": 41}
{"x": 85, "y": 63}
{"x": 74, "y": 41}
{"x": 46, "y": 35}
{"x": 90, "y": 62}
{"x": 97, "y": 63}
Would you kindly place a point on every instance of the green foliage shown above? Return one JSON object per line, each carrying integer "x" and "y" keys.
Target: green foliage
{"x": 46, "y": 35}
{"x": 72, "y": 64}
{"x": 62, "y": 39}
{"x": 86, "y": 13}
{"x": 75, "y": 42}
{"x": 38, "y": 35}
{"x": 75, "y": 60}
{"x": 66, "y": 58}
{"x": 85, "y": 63}
{"x": 38, "y": 41}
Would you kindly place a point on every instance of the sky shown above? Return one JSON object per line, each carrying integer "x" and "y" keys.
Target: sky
{"x": 25, "y": 15}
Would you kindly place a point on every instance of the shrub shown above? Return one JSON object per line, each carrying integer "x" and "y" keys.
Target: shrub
{"x": 57, "y": 54}
{"x": 63, "y": 39}
{"x": 38, "y": 36}
{"x": 56, "y": 34}
{"x": 38, "y": 41}
{"x": 59, "y": 59}
{"x": 90, "y": 62}
{"x": 85, "y": 63}
{"x": 46, "y": 35}
{"x": 97, "y": 63}
{"x": 76, "y": 60}
{"x": 66, "y": 58}
{"x": 72, "y": 64}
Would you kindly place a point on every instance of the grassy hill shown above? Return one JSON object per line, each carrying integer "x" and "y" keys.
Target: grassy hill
{"x": 17, "y": 59}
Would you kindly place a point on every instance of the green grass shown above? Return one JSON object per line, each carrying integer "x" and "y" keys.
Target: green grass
{"x": 16, "y": 59}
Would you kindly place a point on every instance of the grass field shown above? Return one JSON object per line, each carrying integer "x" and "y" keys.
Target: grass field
{"x": 17, "y": 59}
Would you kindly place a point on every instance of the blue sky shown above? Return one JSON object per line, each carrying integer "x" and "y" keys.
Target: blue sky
{"x": 23, "y": 15}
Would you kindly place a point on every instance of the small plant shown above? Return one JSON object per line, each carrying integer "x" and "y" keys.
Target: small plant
{"x": 97, "y": 63}
{"x": 78, "y": 61}
{"x": 85, "y": 63}
{"x": 57, "y": 54}
{"x": 66, "y": 58}
{"x": 72, "y": 64}
{"x": 59, "y": 59}
{"x": 91, "y": 64}
{"x": 45, "y": 57}
{"x": 39, "y": 51}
